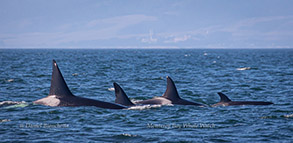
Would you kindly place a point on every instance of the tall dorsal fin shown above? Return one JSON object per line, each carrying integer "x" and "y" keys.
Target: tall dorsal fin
{"x": 58, "y": 84}
{"x": 224, "y": 98}
{"x": 121, "y": 97}
{"x": 171, "y": 91}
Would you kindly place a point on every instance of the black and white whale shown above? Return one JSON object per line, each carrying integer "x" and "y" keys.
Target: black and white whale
{"x": 60, "y": 95}
{"x": 170, "y": 96}
{"x": 225, "y": 101}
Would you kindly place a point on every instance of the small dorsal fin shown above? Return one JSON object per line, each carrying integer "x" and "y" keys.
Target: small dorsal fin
{"x": 121, "y": 97}
{"x": 171, "y": 91}
{"x": 58, "y": 84}
{"x": 224, "y": 98}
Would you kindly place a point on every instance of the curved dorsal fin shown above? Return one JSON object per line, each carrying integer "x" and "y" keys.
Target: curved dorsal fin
{"x": 224, "y": 98}
{"x": 58, "y": 84}
{"x": 121, "y": 97}
{"x": 171, "y": 91}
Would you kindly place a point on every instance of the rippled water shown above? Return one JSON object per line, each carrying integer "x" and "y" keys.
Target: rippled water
{"x": 255, "y": 75}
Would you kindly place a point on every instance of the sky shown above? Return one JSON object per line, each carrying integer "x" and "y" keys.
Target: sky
{"x": 204, "y": 24}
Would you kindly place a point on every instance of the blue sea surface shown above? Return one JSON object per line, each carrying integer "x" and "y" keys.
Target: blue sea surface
{"x": 243, "y": 75}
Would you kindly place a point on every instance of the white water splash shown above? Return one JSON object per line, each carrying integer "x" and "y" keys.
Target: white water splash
{"x": 135, "y": 100}
{"x": 142, "y": 107}
{"x": 242, "y": 69}
{"x": 288, "y": 116}
{"x": 75, "y": 74}
{"x": 111, "y": 89}
{"x": 4, "y": 120}
{"x": 13, "y": 104}
{"x": 10, "y": 80}
{"x": 128, "y": 135}
{"x": 6, "y": 103}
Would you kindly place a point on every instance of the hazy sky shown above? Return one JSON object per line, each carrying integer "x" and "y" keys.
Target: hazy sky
{"x": 146, "y": 24}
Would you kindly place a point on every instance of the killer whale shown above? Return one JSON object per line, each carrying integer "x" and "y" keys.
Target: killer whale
{"x": 60, "y": 95}
{"x": 170, "y": 96}
{"x": 225, "y": 101}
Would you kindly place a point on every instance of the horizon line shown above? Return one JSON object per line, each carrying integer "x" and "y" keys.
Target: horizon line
{"x": 146, "y": 47}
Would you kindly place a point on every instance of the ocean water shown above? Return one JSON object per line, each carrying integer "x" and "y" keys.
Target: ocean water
{"x": 254, "y": 75}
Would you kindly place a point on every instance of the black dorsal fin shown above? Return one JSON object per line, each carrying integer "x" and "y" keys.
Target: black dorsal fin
{"x": 121, "y": 97}
{"x": 224, "y": 98}
{"x": 58, "y": 84}
{"x": 171, "y": 91}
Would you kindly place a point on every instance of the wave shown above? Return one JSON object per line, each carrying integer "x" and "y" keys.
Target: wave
{"x": 274, "y": 117}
